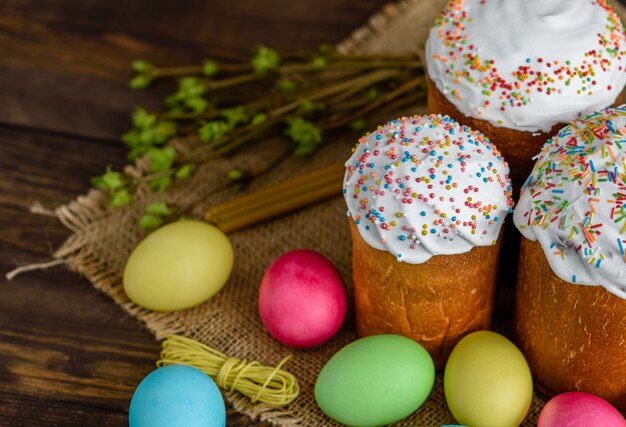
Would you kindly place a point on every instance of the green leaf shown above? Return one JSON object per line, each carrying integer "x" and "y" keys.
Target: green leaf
{"x": 307, "y": 106}
{"x": 148, "y": 131}
{"x": 161, "y": 158}
{"x": 212, "y": 131}
{"x": 158, "y": 209}
{"x": 258, "y": 119}
{"x": 265, "y": 59}
{"x": 185, "y": 171}
{"x": 358, "y": 124}
{"x": 371, "y": 94}
{"x": 305, "y": 134}
{"x": 235, "y": 115}
{"x": 142, "y": 66}
{"x": 319, "y": 62}
{"x": 144, "y": 75}
{"x": 287, "y": 85}
{"x": 164, "y": 131}
{"x": 142, "y": 119}
{"x": 137, "y": 152}
{"x": 147, "y": 136}
{"x": 140, "y": 81}
{"x": 150, "y": 222}
{"x": 175, "y": 108}
{"x": 236, "y": 174}
{"x": 189, "y": 96}
{"x": 197, "y": 104}
{"x": 158, "y": 134}
{"x": 119, "y": 198}
{"x": 131, "y": 138}
{"x": 209, "y": 68}
{"x": 189, "y": 87}
{"x": 326, "y": 48}
{"x": 110, "y": 180}
{"x": 160, "y": 184}
{"x": 97, "y": 182}
{"x": 173, "y": 102}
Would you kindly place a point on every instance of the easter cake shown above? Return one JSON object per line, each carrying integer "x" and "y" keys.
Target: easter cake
{"x": 517, "y": 71}
{"x": 570, "y": 317}
{"x": 426, "y": 201}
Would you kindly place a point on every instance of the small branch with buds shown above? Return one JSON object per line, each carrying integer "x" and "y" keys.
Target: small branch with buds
{"x": 227, "y": 105}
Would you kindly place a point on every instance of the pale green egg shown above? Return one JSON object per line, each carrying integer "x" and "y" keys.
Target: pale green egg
{"x": 375, "y": 380}
{"x": 180, "y": 265}
{"x": 487, "y": 382}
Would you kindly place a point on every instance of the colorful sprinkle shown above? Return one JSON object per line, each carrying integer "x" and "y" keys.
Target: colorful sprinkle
{"x": 589, "y": 226}
{"x": 495, "y": 85}
{"x": 446, "y": 188}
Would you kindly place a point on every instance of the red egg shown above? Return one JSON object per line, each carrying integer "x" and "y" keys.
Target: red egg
{"x": 578, "y": 409}
{"x": 302, "y": 299}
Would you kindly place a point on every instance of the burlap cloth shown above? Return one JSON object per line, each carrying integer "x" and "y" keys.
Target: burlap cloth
{"x": 103, "y": 238}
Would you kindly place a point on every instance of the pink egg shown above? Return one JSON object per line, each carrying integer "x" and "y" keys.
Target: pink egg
{"x": 302, "y": 299}
{"x": 578, "y": 409}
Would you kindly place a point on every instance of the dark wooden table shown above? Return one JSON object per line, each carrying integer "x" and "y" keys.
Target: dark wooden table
{"x": 69, "y": 355}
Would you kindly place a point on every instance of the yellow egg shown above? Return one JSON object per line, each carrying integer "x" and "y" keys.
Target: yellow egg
{"x": 180, "y": 265}
{"x": 487, "y": 382}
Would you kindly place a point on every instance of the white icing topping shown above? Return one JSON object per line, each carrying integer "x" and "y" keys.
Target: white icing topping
{"x": 573, "y": 201}
{"x": 424, "y": 186}
{"x": 528, "y": 64}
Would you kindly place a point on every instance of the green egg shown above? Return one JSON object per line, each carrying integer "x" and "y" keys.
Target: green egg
{"x": 375, "y": 380}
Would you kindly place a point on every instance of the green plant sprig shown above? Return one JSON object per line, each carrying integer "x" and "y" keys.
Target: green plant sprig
{"x": 222, "y": 106}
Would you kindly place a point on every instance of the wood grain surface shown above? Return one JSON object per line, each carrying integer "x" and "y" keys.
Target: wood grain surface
{"x": 68, "y": 355}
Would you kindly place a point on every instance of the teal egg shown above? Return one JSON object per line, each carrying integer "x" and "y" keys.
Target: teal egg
{"x": 176, "y": 396}
{"x": 375, "y": 380}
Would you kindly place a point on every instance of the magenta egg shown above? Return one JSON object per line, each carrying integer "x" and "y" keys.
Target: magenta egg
{"x": 578, "y": 409}
{"x": 302, "y": 299}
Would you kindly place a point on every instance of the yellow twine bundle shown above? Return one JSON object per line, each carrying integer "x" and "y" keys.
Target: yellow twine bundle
{"x": 260, "y": 383}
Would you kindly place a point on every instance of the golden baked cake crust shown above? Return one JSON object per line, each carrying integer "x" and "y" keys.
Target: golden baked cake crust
{"x": 436, "y": 303}
{"x": 573, "y": 336}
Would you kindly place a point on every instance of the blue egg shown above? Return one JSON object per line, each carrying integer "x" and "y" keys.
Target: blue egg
{"x": 177, "y": 396}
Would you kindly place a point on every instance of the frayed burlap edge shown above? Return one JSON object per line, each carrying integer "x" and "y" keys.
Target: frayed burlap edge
{"x": 84, "y": 215}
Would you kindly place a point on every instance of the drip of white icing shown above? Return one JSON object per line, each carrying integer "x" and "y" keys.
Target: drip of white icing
{"x": 573, "y": 202}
